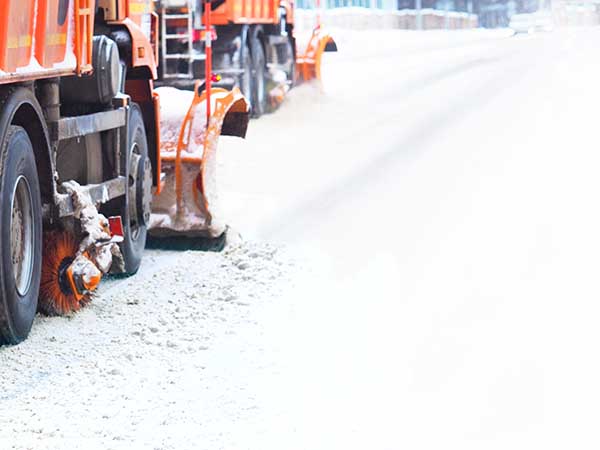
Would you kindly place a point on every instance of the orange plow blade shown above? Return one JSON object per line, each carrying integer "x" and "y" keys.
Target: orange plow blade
{"x": 308, "y": 64}
{"x": 187, "y": 202}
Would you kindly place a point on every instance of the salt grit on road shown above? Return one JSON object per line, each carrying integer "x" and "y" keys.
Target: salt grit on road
{"x": 155, "y": 361}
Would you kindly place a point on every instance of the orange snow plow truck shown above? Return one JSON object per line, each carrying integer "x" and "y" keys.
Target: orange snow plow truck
{"x": 92, "y": 156}
{"x": 254, "y": 47}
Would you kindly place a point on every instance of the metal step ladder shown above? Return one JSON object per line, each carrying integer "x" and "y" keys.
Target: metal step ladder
{"x": 189, "y": 54}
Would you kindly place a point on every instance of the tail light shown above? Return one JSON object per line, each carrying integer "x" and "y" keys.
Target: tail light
{"x": 200, "y": 35}
{"x": 116, "y": 226}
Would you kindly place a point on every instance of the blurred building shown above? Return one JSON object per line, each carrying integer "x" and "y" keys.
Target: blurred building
{"x": 451, "y": 5}
{"x": 491, "y": 13}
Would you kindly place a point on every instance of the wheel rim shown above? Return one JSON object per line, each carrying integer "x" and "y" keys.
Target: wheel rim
{"x": 260, "y": 77}
{"x": 21, "y": 235}
{"x": 260, "y": 81}
{"x": 140, "y": 191}
{"x": 292, "y": 63}
{"x": 134, "y": 162}
{"x": 146, "y": 191}
{"x": 246, "y": 86}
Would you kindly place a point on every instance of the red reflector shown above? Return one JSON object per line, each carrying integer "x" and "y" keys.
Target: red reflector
{"x": 199, "y": 35}
{"x": 116, "y": 226}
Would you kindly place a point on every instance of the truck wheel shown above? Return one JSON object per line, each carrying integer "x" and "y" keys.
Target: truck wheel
{"x": 246, "y": 77}
{"x": 259, "y": 95}
{"x": 135, "y": 208}
{"x": 21, "y": 232}
{"x": 291, "y": 73}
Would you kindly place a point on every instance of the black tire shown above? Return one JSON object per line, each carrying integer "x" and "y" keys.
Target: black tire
{"x": 291, "y": 74}
{"x": 259, "y": 66}
{"x": 21, "y": 232}
{"x": 134, "y": 215}
{"x": 245, "y": 80}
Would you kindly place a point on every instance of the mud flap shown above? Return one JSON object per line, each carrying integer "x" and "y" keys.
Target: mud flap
{"x": 187, "y": 204}
{"x": 308, "y": 64}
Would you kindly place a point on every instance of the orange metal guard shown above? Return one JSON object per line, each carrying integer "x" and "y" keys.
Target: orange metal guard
{"x": 196, "y": 145}
{"x": 308, "y": 64}
{"x": 187, "y": 201}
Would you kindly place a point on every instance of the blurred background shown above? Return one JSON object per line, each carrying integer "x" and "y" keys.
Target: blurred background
{"x": 444, "y": 14}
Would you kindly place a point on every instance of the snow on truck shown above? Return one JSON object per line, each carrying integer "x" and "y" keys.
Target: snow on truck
{"x": 253, "y": 46}
{"x": 93, "y": 156}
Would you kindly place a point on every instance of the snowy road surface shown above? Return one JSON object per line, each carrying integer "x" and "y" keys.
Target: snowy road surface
{"x": 419, "y": 271}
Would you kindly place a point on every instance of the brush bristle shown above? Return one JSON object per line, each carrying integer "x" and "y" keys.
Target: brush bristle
{"x": 58, "y": 247}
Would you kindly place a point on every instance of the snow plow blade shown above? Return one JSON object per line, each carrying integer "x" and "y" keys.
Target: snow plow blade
{"x": 186, "y": 202}
{"x": 308, "y": 64}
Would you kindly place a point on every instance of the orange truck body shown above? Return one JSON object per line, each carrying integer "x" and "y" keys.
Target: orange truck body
{"x": 37, "y": 42}
{"x": 250, "y": 12}
{"x": 53, "y": 38}
{"x": 46, "y": 38}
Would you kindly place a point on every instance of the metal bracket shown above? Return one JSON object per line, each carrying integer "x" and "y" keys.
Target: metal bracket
{"x": 70, "y": 127}
{"x": 99, "y": 193}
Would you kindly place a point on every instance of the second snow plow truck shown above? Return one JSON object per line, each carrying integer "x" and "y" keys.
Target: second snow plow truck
{"x": 254, "y": 47}
{"x": 92, "y": 156}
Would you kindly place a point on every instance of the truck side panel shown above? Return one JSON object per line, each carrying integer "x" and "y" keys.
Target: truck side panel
{"x": 250, "y": 12}
{"x": 51, "y": 32}
{"x": 16, "y": 25}
{"x": 44, "y": 38}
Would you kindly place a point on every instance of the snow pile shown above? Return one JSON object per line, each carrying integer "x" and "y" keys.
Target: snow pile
{"x": 174, "y": 105}
{"x": 97, "y": 241}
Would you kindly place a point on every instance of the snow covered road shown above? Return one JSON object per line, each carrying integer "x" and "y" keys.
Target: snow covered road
{"x": 419, "y": 271}
{"x": 447, "y": 209}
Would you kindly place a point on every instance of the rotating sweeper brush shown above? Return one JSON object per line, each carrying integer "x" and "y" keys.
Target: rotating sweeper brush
{"x": 58, "y": 292}
{"x": 73, "y": 263}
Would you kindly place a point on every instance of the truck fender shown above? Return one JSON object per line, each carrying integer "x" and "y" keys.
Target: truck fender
{"x": 135, "y": 48}
{"x": 18, "y": 106}
{"x": 256, "y": 34}
{"x": 141, "y": 92}
{"x": 255, "y": 31}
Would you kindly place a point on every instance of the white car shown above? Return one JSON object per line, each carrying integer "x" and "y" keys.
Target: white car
{"x": 531, "y": 22}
